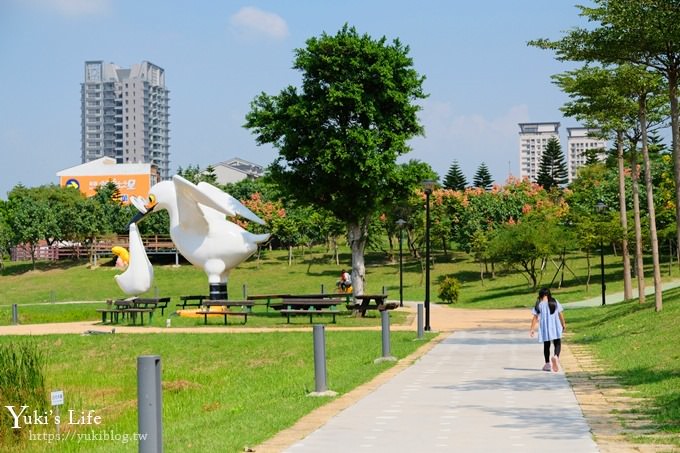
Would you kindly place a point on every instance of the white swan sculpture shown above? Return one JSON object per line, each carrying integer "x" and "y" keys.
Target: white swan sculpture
{"x": 138, "y": 277}
{"x": 199, "y": 229}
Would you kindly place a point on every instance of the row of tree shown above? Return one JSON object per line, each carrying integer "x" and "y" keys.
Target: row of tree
{"x": 627, "y": 85}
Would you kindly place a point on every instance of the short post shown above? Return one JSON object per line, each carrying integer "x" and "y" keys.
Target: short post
{"x": 245, "y": 291}
{"x": 149, "y": 403}
{"x": 383, "y": 290}
{"x": 176, "y": 258}
{"x": 322, "y": 289}
{"x": 385, "y": 323}
{"x": 320, "y": 386}
{"x": 420, "y": 321}
{"x": 15, "y": 314}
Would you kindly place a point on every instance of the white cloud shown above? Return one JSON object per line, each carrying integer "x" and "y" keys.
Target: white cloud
{"x": 71, "y": 7}
{"x": 470, "y": 139}
{"x": 251, "y": 21}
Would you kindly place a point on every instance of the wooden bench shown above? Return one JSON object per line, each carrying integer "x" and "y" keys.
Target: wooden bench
{"x": 311, "y": 312}
{"x": 268, "y": 297}
{"x": 113, "y": 312}
{"x": 191, "y": 301}
{"x": 224, "y": 313}
{"x": 306, "y": 303}
{"x": 134, "y": 311}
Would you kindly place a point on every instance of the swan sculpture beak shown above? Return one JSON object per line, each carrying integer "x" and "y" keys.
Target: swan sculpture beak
{"x": 143, "y": 208}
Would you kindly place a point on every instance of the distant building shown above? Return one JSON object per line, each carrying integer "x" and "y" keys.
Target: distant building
{"x": 532, "y": 140}
{"x": 580, "y": 140}
{"x": 235, "y": 169}
{"x": 124, "y": 115}
{"x": 131, "y": 179}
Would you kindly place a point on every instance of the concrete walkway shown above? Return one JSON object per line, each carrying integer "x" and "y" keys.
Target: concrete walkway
{"x": 476, "y": 391}
{"x": 616, "y": 298}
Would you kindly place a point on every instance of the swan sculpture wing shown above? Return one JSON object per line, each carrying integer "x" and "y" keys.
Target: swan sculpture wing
{"x": 230, "y": 205}
{"x": 138, "y": 277}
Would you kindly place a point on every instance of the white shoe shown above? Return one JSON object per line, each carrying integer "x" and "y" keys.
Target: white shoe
{"x": 555, "y": 363}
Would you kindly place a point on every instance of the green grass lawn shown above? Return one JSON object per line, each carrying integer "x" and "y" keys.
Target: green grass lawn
{"x": 220, "y": 392}
{"x": 69, "y": 281}
{"x": 640, "y": 347}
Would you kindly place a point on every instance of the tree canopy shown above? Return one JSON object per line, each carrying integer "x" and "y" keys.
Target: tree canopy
{"x": 455, "y": 179}
{"x": 552, "y": 170}
{"x": 340, "y": 134}
{"x": 483, "y": 177}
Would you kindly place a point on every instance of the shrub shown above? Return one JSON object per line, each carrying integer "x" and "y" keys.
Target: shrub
{"x": 449, "y": 288}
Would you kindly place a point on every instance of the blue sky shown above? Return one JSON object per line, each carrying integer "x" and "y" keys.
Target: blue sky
{"x": 482, "y": 79}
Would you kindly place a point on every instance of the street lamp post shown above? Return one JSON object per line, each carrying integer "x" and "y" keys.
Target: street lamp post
{"x": 601, "y": 207}
{"x": 428, "y": 186}
{"x": 400, "y": 223}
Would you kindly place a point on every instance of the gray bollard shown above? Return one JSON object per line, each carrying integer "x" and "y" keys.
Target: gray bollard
{"x": 320, "y": 358}
{"x": 420, "y": 321}
{"x": 149, "y": 403}
{"x": 245, "y": 291}
{"x": 385, "y": 323}
{"x": 320, "y": 386}
{"x": 15, "y": 314}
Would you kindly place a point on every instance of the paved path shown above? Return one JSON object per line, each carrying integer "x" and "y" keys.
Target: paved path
{"x": 476, "y": 391}
{"x": 615, "y": 298}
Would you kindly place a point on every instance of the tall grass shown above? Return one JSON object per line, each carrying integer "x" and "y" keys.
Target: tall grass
{"x": 22, "y": 383}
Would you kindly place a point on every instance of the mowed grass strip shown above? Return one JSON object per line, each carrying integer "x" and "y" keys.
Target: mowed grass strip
{"x": 270, "y": 274}
{"x": 640, "y": 347}
{"x": 220, "y": 392}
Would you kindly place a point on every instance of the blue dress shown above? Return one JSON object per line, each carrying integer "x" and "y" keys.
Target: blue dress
{"x": 549, "y": 325}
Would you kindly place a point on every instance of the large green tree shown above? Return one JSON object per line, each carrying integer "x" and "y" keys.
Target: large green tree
{"x": 340, "y": 134}
{"x": 483, "y": 177}
{"x": 552, "y": 170}
{"x": 455, "y": 179}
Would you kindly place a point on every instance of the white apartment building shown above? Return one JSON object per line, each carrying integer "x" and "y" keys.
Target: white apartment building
{"x": 124, "y": 115}
{"x": 532, "y": 140}
{"x": 579, "y": 140}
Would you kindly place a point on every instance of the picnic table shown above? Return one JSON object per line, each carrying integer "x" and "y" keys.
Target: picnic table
{"x": 131, "y": 307}
{"x": 364, "y": 304}
{"x": 308, "y": 306}
{"x": 225, "y": 309}
{"x": 153, "y": 302}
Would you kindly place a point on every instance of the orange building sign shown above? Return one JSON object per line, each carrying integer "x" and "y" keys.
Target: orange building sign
{"x": 128, "y": 185}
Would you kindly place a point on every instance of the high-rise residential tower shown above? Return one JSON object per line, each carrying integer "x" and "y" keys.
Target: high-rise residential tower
{"x": 580, "y": 140}
{"x": 125, "y": 114}
{"x": 532, "y": 140}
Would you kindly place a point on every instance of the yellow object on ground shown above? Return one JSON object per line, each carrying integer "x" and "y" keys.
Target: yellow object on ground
{"x": 122, "y": 253}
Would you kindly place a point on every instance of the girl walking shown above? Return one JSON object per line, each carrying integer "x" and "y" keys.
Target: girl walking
{"x": 549, "y": 319}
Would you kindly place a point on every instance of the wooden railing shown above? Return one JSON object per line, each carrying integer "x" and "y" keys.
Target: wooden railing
{"x": 101, "y": 247}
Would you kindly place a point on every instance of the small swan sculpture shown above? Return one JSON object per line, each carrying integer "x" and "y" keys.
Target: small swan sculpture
{"x": 138, "y": 277}
{"x": 199, "y": 229}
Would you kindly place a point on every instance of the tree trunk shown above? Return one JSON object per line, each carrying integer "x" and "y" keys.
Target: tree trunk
{"x": 358, "y": 235}
{"x": 290, "y": 255}
{"x": 675, "y": 133}
{"x": 589, "y": 271}
{"x": 627, "y": 281}
{"x": 638, "y": 228}
{"x": 658, "y": 290}
{"x": 481, "y": 272}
